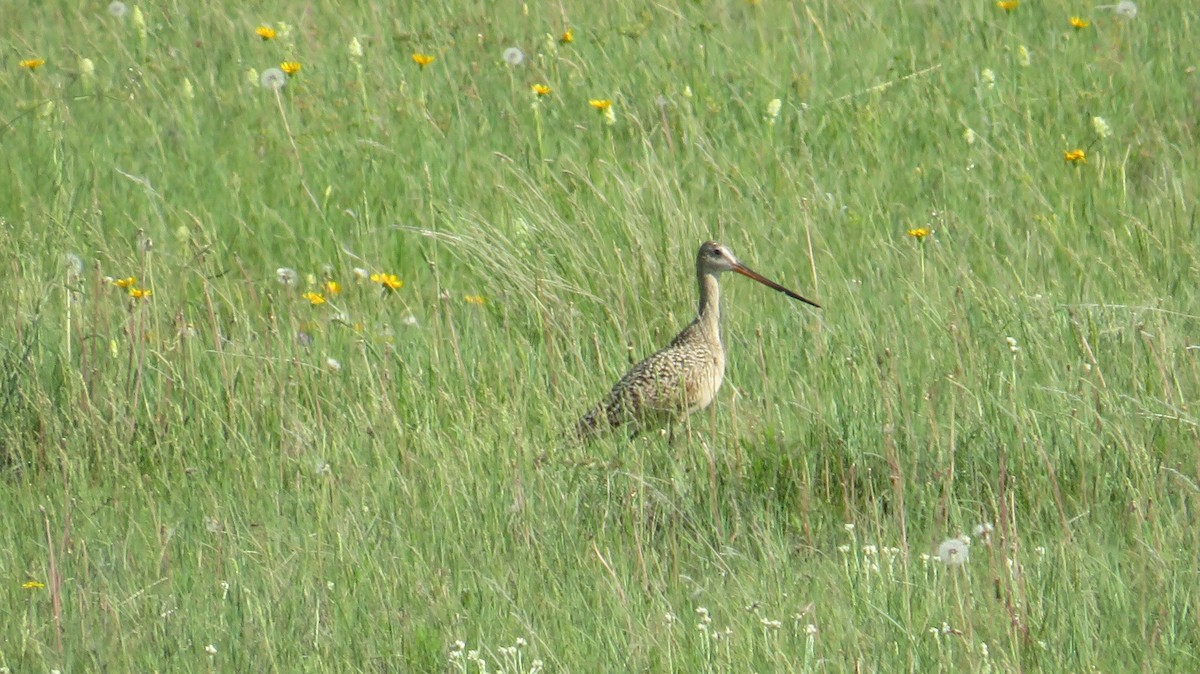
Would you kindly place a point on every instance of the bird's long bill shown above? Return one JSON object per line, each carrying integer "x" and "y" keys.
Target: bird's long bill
{"x": 750, "y": 273}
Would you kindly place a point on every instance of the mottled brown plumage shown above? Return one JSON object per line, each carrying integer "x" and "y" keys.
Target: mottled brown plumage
{"x": 684, "y": 376}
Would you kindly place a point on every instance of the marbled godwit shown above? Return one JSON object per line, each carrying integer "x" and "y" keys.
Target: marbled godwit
{"x": 683, "y": 377}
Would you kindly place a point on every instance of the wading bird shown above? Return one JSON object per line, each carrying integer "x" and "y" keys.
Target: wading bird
{"x": 683, "y": 377}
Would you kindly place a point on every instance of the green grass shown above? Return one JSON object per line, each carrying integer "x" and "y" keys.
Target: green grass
{"x": 188, "y": 469}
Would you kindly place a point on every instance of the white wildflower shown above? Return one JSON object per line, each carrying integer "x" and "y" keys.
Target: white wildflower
{"x": 273, "y": 79}
{"x": 287, "y": 276}
{"x": 355, "y": 48}
{"x": 1012, "y": 344}
{"x": 514, "y": 56}
{"x": 953, "y": 552}
{"x": 1126, "y": 9}
{"x": 1023, "y": 57}
{"x": 74, "y": 266}
{"x": 333, "y": 365}
{"x": 773, "y": 109}
{"x": 969, "y": 136}
{"x": 988, "y": 78}
{"x": 1100, "y": 126}
{"x": 118, "y": 9}
{"x": 982, "y": 530}
{"x": 211, "y": 649}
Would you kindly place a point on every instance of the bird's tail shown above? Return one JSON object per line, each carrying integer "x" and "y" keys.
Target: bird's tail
{"x": 588, "y": 427}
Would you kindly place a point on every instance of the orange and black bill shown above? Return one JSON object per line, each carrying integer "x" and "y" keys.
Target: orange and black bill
{"x": 750, "y": 273}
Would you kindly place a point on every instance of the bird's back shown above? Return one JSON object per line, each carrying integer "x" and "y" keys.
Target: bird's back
{"x": 669, "y": 384}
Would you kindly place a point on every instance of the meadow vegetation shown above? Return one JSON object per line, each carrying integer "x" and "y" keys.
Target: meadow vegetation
{"x": 302, "y": 295}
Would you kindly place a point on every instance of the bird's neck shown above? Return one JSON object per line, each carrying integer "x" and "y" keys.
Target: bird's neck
{"x": 709, "y": 315}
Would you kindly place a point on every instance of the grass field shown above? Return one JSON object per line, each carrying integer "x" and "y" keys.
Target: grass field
{"x": 286, "y": 368}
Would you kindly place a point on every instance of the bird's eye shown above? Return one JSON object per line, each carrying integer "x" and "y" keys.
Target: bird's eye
{"x": 715, "y": 252}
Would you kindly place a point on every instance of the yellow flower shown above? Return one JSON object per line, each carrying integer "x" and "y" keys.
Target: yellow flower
{"x": 423, "y": 59}
{"x": 474, "y": 299}
{"x": 265, "y": 32}
{"x": 540, "y": 90}
{"x": 600, "y": 104}
{"x": 127, "y": 282}
{"x": 1078, "y": 23}
{"x": 333, "y": 287}
{"x": 32, "y": 64}
{"x": 1077, "y": 156}
{"x": 139, "y": 293}
{"x": 32, "y": 585}
{"x": 290, "y": 67}
{"x": 919, "y": 233}
{"x": 389, "y": 281}
{"x": 314, "y": 298}
{"x": 567, "y": 37}
{"x": 1008, "y": 5}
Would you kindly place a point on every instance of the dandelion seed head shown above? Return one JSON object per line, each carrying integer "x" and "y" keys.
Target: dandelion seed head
{"x": 333, "y": 365}
{"x": 514, "y": 56}
{"x": 73, "y": 264}
{"x": 953, "y": 552}
{"x": 287, "y": 276}
{"x": 273, "y": 79}
{"x": 984, "y": 529}
{"x": 1126, "y": 9}
{"x": 211, "y": 649}
{"x": 118, "y": 9}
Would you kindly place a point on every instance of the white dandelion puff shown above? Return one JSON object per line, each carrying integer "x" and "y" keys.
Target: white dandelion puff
{"x": 361, "y": 274}
{"x": 73, "y": 264}
{"x": 287, "y": 276}
{"x": 984, "y": 529}
{"x": 1126, "y": 9}
{"x": 514, "y": 56}
{"x": 211, "y": 649}
{"x": 953, "y": 552}
{"x": 333, "y": 365}
{"x": 118, "y": 9}
{"x": 273, "y": 79}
